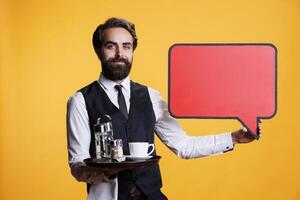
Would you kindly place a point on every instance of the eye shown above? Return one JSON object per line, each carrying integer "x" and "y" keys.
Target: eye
{"x": 127, "y": 47}
{"x": 109, "y": 46}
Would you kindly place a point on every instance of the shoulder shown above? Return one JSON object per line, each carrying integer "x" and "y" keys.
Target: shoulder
{"x": 152, "y": 92}
{"x": 136, "y": 86}
{"x": 76, "y": 100}
{"x": 155, "y": 95}
{"x": 89, "y": 87}
{"x": 139, "y": 85}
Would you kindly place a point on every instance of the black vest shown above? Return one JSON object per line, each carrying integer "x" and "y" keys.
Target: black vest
{"x": 138, "y": 128}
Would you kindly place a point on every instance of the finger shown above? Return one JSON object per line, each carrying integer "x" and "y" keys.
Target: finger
{"x": 258, "y": 130}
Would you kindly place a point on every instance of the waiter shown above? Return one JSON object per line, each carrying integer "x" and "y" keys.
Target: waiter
{"x": 137, "y": 113}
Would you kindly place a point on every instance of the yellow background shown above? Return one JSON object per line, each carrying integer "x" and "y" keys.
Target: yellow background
{"x": 46, "y": 55}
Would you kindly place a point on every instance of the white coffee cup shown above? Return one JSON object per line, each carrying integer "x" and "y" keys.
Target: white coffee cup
{"x": 140, "y": 149}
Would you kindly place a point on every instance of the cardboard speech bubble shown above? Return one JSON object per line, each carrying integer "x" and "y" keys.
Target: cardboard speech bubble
{"x": 223, "y": 81}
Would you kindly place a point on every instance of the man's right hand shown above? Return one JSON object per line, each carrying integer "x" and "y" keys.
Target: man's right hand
{"x": 111, "y": 173}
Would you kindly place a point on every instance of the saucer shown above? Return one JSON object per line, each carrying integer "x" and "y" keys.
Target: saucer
{"x": 129, "y": 157}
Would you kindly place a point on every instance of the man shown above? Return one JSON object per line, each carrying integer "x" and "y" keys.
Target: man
{"x": 137, "y": 112}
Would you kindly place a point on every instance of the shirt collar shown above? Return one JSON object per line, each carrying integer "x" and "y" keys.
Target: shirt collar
{"x": 109, "y": 84}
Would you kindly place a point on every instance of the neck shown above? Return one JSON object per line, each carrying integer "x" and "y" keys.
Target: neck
{"x": 119, "y": 81}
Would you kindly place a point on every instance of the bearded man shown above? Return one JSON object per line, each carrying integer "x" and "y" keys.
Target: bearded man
{"x": 137, "y": 112}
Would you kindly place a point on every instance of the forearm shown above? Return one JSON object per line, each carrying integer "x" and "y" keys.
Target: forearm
{"x": 201, "y": 146}
{"x": 185, "y": 146}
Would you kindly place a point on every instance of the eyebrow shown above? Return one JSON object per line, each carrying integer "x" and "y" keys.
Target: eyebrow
{"x": 114, "y": 43}
{"x": 109, "y": 42}
{"x": 127, "y": 43}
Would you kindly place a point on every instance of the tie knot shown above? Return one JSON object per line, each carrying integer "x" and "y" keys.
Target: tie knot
{"x": 119, "y": 88}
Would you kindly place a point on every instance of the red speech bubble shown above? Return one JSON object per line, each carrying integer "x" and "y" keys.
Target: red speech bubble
{"x": 223, "y": 81}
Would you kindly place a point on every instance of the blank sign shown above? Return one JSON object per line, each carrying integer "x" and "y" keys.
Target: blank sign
{"x": 223, "y": 81}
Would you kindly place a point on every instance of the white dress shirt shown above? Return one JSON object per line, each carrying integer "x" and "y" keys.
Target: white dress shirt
{"x": 166, "y": 128}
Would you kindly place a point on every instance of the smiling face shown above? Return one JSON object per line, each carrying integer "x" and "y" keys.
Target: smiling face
{"x": 116, "y": 53}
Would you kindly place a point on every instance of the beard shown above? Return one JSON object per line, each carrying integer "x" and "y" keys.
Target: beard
{"x": 116, "y": 71}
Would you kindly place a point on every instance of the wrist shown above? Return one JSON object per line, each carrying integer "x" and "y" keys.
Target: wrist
{"x": 234, "y": 138}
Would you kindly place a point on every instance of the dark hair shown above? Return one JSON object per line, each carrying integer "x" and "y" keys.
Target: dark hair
{"x": 113, "y": 23}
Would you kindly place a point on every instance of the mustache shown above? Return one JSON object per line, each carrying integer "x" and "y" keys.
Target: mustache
{"x": 118, "y": 59}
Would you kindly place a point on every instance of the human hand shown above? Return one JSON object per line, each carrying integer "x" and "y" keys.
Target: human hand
{"x": 243, "y": 136}
{"x": 111, "y": 171}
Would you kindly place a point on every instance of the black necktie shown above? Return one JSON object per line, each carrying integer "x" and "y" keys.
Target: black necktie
{"x": 121, "y": 101}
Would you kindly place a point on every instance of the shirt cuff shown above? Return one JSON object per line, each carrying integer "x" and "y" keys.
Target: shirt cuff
{"x": 223, "y": 143}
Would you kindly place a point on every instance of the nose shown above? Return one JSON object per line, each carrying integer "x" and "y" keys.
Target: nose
{"x": 119, "y": 52}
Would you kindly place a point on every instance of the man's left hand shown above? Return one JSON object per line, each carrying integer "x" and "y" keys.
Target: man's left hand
{"x": 242, "y": 136}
